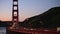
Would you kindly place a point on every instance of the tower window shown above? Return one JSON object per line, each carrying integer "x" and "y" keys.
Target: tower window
{"x": 15, "y": 7}
{"x": 15, "y": 19}
{"x": 15, "y": 13}
{"x": 15, "y": 3}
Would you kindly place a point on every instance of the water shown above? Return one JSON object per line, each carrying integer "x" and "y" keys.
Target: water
{"x": 2, "y": 30}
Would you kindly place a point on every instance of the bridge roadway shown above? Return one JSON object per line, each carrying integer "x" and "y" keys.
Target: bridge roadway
{"x": 34, "y": 31}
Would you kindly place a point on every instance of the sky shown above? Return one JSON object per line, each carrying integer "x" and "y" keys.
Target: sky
{"x": 27, "y": 8}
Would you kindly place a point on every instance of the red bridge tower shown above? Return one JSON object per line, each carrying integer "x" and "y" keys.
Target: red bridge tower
{"x": 15, "y": 14}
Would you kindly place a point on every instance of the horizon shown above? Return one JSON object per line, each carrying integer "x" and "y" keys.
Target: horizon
{"x": 27, "y": 8}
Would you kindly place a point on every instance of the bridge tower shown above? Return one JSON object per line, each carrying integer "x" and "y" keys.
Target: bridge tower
{"x": 15, "y": 14}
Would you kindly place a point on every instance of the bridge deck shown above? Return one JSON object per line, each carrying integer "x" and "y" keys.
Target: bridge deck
{"x": 40, "y": 30}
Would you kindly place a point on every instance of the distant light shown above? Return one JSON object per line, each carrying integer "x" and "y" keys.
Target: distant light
{"x": 31, "y": 29}
{"x": 58, "y": 29}
{"x": 46, "y": 30}
{"x": 26, "y": 29}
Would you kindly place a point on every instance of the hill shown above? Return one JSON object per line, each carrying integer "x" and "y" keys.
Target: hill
{"x": 4, "y": 23}
{"x": 48, "y": 19}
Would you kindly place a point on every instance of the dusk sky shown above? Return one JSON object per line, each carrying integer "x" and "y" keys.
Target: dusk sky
{"x": 27, "y": 8}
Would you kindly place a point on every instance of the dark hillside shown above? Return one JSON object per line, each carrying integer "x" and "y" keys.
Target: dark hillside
{"x": 49, "y": 19}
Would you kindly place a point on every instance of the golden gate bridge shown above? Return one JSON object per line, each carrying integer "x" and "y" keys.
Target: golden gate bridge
{"x": 16, "y": 28}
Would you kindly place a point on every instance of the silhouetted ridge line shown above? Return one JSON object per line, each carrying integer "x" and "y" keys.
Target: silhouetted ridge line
{"x": 48, "y": 19}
